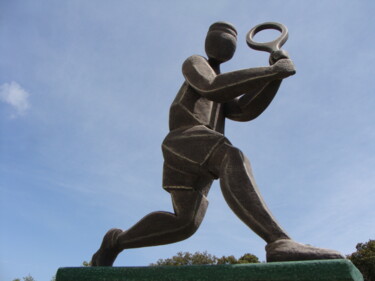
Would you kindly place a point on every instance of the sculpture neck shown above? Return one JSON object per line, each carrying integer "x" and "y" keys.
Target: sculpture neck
{"x": 215, "y": 65}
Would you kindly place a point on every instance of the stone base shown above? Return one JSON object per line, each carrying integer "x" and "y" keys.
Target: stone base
{"x": 317, "y": 270}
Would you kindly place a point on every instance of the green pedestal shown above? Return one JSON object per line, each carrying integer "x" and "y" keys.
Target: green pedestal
{"x": 318, "y": 270}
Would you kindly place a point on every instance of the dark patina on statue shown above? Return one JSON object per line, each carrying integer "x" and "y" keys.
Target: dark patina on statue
{"x": 196, "y": 152}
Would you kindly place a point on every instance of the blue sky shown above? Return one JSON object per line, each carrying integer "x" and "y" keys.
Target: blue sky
{"x": 85, "y": 89}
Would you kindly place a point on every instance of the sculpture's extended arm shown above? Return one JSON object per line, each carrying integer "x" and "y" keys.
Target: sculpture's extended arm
{"x": 225, "y": 87}
{"x": 250, "y": 105}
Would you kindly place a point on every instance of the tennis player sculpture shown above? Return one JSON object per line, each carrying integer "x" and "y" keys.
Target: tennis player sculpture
{"x": 196, "y": 152}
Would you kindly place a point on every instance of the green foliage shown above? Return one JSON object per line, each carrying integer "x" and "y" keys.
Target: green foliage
{"x": 364, "y": 259}
{"x": 28, "y": 278}
{"x": 186, "y": 258}
{"x": 86, "y": 264}
{"x": 227, "y": 260}
{"x": 248, "y": 258}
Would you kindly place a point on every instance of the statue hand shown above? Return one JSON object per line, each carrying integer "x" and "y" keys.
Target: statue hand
{"x": 284, "y": 68}
{"x": 278, "y": 55}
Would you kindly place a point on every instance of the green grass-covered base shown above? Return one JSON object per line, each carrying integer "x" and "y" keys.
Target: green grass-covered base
{"x": 317, "y": 270}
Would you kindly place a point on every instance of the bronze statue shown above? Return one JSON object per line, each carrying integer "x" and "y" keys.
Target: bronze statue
{"x": 196, "y": 152}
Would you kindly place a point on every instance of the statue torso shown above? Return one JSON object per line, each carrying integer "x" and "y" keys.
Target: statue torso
{"x": 190, "y": 109}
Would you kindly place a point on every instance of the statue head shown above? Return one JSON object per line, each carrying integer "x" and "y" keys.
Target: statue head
{"x": 221, "y": 41}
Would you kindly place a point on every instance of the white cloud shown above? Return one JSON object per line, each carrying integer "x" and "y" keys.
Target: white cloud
{"x": 14, "y": 95}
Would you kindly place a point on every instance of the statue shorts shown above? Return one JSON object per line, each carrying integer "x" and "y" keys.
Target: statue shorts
{"x": 186, "y": 152}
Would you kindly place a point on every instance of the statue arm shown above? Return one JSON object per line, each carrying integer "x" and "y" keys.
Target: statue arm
{"x": 250, "y": 105}
{"x": 226, "y": 87}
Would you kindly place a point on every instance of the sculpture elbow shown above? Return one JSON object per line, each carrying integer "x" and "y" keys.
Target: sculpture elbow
{"x": 242, "y": 117}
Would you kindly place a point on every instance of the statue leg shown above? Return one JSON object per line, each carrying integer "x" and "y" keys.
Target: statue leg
{"x": 243, "y": 197}
{"x": 157, "y": 228}
{"x": 241, "y": 192}
{"x": 161, "y": 228}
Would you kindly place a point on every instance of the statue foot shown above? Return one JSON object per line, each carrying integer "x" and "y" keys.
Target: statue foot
{"x": 108, "y": 250}
{"x": 289, "y": 250}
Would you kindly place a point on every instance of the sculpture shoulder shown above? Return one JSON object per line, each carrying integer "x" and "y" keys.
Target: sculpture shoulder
{"x": 197, "y": 71}
{"x": 194, "y": 60}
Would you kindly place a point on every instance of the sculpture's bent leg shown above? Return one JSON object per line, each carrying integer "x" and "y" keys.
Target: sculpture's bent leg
{"x": 243, "y": 197}
{"x": 160, "y": 228}
{"x": 157, "y": 228}
{"x": 108, "y": 250}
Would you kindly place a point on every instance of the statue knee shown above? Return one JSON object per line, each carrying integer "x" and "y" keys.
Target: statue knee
{"x": 234, "y": 152}
{"x": 225, "y": 154}
{"x": 190, "y": 221}
{"x": 186, "y": 228}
